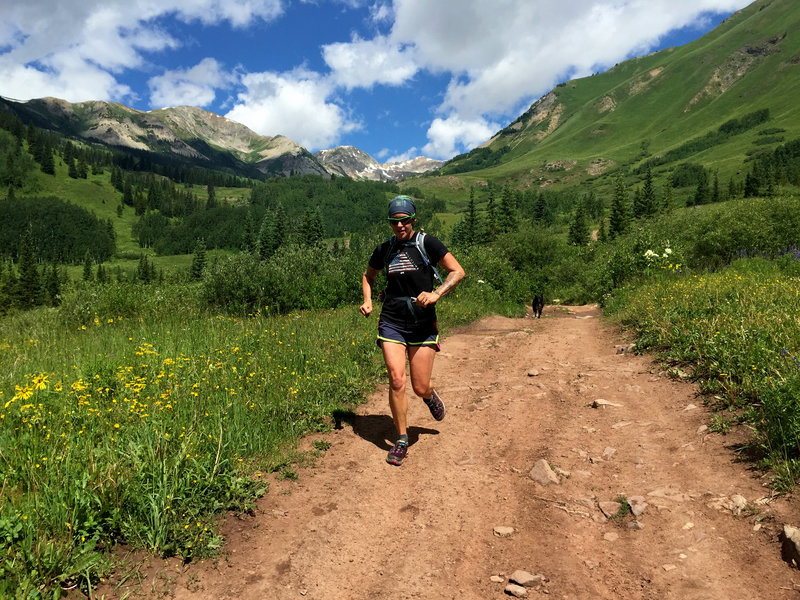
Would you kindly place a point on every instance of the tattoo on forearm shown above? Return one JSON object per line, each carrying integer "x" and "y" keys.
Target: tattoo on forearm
{"x": 449, "y": 283}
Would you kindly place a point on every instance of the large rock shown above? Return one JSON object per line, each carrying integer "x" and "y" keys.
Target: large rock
{"x": 542, "y": 473}
{"x": 790, "y": 545}
{"x": 515, "y": 590}
{"x": 526, "y": 579}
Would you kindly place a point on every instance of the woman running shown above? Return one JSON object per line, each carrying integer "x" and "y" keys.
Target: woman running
{"x": 407, "y": 323}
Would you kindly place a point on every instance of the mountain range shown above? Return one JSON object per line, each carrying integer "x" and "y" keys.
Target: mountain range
{"x": 643, "y": 110}
{"x": 201, "y": 137}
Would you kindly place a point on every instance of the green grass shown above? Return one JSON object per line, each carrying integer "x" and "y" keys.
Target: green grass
{"x": 132, "y": 413}
{"x": 97, "y": 195}
{"x": 659, "y": 99}
{"x": 738, "y": 331}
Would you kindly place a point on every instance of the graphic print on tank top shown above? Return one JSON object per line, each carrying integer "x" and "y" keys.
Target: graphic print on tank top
{"x": 401, "y": 263}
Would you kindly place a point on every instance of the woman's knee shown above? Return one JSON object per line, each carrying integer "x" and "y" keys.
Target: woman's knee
{"x": 421, "y": 389}
{"x": 397, "y": 381}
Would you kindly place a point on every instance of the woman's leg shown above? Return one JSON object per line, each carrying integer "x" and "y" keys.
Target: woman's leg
{"x": 420, "y": 360}
{"x": 394, "y": 355}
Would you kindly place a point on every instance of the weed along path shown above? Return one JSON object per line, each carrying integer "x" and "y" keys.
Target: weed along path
{"x": 562, "y": 464}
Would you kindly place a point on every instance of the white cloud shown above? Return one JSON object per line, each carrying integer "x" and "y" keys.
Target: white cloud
{"x": 500, "y": 55}
{"x": 364, "y": 63}
{"x": 381, "y": 12}
{"x": 78, "y": 49}
{"x": 238, "y": 12}
{"x": 505, "y": 54}
{"x": 294, "y": 104}
{"x": 194, "y": 87}
{"x": 407, "y": 155}
{"x": 505, "y": 51}
{"x": 451, "y": 135}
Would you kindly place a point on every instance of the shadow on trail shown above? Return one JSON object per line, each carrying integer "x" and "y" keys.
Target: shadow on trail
{"x": 378, "y": 429}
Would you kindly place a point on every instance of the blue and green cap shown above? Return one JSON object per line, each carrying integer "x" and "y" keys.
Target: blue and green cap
{"x": 402, "y": 205}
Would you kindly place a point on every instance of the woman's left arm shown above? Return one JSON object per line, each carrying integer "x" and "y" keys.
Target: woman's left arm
{"x": 455, "y": 273}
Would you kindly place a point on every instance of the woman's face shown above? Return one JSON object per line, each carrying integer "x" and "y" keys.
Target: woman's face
{"x": 403, "y": 226}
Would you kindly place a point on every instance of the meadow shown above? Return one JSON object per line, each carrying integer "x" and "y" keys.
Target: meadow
{"x": 136, "y": 414}
{"x": 141, "y": 413}
{"x": 737, "y": 333}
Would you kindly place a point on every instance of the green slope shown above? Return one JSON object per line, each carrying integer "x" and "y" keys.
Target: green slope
{"x": 647, "y": 106}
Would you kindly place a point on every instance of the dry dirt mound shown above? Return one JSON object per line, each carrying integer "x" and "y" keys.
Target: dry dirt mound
{"x": 610, "y": 425}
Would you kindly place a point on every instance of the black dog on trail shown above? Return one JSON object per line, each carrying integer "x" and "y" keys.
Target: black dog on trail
{"x": 537, "y": 305}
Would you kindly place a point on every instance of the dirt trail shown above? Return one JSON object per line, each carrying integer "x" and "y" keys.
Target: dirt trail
{"x": 517, "y": 391}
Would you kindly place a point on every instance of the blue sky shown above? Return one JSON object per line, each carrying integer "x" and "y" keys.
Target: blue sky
{"x": 395, "y": 78}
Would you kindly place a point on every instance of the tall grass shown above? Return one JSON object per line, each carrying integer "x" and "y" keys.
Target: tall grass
{"x": 134, "y": 414}
{"x": 738, "y": 332}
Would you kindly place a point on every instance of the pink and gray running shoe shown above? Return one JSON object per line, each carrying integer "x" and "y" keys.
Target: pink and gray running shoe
{"x": 397, "y": 453}
{"x": 436, "y": 406}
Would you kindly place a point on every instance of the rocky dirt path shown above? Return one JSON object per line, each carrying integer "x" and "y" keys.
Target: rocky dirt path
{"x": 518, "y": 390}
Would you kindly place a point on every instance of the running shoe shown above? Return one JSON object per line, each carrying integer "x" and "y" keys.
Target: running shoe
{"x": 436, "y": 406}
{"x": 397, "y": 454}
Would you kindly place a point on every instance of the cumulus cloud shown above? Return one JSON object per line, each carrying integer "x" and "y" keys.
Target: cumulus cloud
{"x": 364, "y": 63}
{"x": 194, "y": 87}
{"x": 522, "y": 46}
{"x": 506, "y": 53}
{"x": 499, "y": 56}
{"x": 294, "y": 104}
{"x": 450, "y": 135}
{"x": 77, "y": 49}
{"x": 412, "y": 152}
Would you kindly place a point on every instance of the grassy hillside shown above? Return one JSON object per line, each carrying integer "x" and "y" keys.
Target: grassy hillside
{"x": 646, "y": 106}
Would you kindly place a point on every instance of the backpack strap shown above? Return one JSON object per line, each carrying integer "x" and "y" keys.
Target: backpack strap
{"x": 420, "y": 243}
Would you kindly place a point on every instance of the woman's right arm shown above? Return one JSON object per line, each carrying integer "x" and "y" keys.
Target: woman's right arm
{"x": 367, "y": 283}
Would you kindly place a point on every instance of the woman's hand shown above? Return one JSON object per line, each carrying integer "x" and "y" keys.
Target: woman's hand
{"x": 427, "y": 298}
{"x": 366, "y": 308}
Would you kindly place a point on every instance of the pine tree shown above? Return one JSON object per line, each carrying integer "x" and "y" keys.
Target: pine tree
{"x": 82, "y": 168}
{"x": 29, "y": 285}
{"x": 507, "y": 220}
{"x": 313, "y": 228}
{"x": 102, "y": 276}
{"x": 666, "y": 197}
{"x": 198, "y": 260}
{"x": 87, "y": 267}
{"x": 649, "y": 195}
{"x": 117, "y": 179}
{"x": 702, "y": 194}
{"x": 127, "y": 193}
{"x": 143, "y": 270}
{"x": 602, "y": 236}
{"x": 249, "y": 233}
{"x": 48, "y": 163}
{"x": 72, "y": 171}
{"x": 490, "y": 232}
{"x": 579, "y": 229}
{"x": 752, "y": 185}
{"x": 620, "y": 211}
{"x": 470, "y": 226}
{"x": 733, "y": 189}
{"x": 772, "y": 187}
{"x": 281, "y": 227}
{"x": 540, "y": 208}
{"x": 212, "y": 197}
{"x": 265, "y": 244}
{"x": 52, "y": 286}
{"x": 460, "y": 234}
